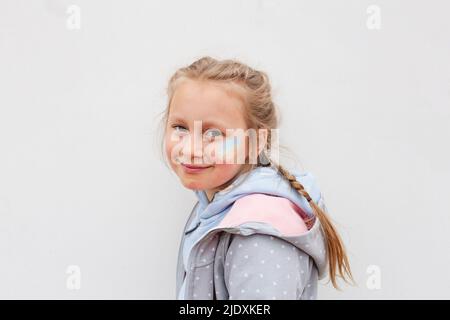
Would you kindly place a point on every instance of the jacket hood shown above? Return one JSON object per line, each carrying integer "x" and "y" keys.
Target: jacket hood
{"x": 271, "y": 206}
{"x": 266, "y": 180}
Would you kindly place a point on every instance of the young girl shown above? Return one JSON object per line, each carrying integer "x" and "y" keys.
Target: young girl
{"x": 257, "y": 231}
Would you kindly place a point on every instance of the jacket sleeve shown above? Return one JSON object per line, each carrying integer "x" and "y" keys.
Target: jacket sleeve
{"x": 263, "y": 267}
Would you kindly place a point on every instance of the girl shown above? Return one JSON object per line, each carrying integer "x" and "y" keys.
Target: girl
{"x": 257, "y": 231}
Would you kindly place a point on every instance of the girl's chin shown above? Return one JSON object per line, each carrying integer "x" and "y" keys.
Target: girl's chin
{"x": 195, "y": 185}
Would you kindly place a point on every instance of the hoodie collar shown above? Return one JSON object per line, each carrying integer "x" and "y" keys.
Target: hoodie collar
{"x": 203, "y": 198}
{"x": 267, "y": 180}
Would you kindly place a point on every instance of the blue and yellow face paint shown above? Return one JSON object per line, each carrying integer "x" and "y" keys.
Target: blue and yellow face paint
{"x": 226, "y": 149}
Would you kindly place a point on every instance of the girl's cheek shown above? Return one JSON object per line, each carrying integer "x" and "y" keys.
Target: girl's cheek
{"x": 224, "y": 151}
{"x": 177, "y": 148}
{"x": 173, "y": 150}
{"x": 169, "y": 155}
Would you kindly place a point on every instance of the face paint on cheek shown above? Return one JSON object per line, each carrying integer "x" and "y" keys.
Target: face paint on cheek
{"x": 225, "y": 151}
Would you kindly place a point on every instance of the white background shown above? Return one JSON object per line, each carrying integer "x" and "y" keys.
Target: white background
{"x": 82, "y": 181}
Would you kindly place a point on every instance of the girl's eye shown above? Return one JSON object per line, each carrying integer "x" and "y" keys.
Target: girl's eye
{"x": 211, "y": 134}
{"x": 176, "y": 127}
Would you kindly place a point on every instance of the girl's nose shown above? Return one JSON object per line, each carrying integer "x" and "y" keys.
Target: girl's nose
{"x": 192, "y": 147}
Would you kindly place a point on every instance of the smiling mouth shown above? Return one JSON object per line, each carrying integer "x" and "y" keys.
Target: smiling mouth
{"x": 194, "y": 167}
{"x": 191, "y": 169}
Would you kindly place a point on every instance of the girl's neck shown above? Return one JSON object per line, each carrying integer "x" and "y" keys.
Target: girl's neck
{"x": 210, "y": 194}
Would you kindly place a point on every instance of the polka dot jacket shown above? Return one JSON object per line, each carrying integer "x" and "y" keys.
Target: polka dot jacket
{"x": 251, "y": 242}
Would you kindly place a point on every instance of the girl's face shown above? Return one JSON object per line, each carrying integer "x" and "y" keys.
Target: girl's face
{"x": 196, "y": 134}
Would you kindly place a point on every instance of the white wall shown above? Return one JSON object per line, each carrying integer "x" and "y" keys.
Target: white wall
{"x": 81, "y": 180}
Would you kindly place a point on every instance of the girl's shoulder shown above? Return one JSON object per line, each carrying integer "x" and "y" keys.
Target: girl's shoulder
{"x": 277, "y": 212}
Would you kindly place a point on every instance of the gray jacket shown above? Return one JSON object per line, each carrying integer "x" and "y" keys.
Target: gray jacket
{"x": 259, "y": 249}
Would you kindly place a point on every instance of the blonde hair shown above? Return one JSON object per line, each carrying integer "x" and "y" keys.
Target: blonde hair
{"x": 261, "y": 113}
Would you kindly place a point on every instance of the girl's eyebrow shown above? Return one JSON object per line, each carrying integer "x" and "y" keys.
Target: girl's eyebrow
{"x": 213, "y": 124}
{"x": 176, "y": 119}
{"x": 205, "y": 123}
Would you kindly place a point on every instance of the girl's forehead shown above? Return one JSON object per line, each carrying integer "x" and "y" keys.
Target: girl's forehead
{"x": 206, "y": 102}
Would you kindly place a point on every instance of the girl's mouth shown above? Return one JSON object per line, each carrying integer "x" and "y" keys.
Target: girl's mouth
{"x": 194, "y": 169}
